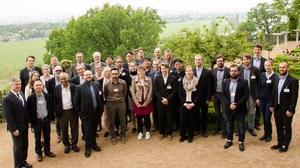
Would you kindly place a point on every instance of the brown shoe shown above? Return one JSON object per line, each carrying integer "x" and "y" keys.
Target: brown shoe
{"x": 123, "y": 139}
{"x": 170, "y": 137}
{"x": 113, "y": 141}
{"x": 161, "y": 136}
{"x": 58, "y": 139}
{"x": 39, "y": 158}
{"x": 50, "y": 154}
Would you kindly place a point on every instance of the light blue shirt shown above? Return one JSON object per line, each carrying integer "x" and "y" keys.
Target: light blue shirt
{"x": 257, "y": 62}
{"x": 247, "y": 73}
{"x": 199, "y": 71}
{"x": 280, "y": 85}
{"x": 232, "y": 89}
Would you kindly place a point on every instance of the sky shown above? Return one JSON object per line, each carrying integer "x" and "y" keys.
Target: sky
{"x": 52, "y": 8}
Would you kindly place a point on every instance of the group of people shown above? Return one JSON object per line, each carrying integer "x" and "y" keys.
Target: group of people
{"x": 108, "y": 96}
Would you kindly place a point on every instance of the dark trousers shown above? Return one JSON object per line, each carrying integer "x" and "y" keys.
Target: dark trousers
{"x": 147, "y": 122}
{"x": 57, "y": 126}
{"x": 165, "y": 119}
{"x": 69, "y": 118}
{"x": 283, "y": 126}
{"x": 230, "y": 117}
{"x": 155, "y": 114}
{"x": 20, "y": 148}
{"x": 90, "y": 124}
{"x": 115, "y": 108}
{"x": 219, "y": 106}
{"x": 265, "y": 110}
{"x": 42, "y": 125}
{"x": 187, "y": 121}
{"x": 176, "y": 114}
{"x": 202, "y": 117}
{"x": 257, "y": 115}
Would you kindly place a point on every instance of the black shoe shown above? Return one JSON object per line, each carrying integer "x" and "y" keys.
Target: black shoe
{"x": 82, "y": 137}
{"x": 50, "y": 154}
{"x": 241, "y": 147}
{"x": 27, "y": 165}
{"x": 252, "y": 132}
{"x": 263, "y": 137}
{"x": 224, "y": 135}
{"x": 228, "y": 144}
{"x": 133, "y": 130}
{"x": 268, "y": 139}
{"x": 190, "y": 139}
{"x": 97, "y": 135}
{"x": 96, "y": 148}
{"x": 236, "y": 134}
{"x": 182, "y": 139}
{"x": 87, "y": 152}
{"x": 275, "y": 147}
{"x": 67, "y": 149}
{"x": 204, "y": 134}
{"x": 75, "y": 148}
{"x": 283, "y": 149}
{"x": 216, "y": 131}
{"x": 117, "y": 133}
{"x": 106, "y": 134}
{"x": 257, "y": 127}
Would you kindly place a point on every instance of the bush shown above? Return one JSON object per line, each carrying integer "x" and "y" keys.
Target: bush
{"x": 294, "y": 63}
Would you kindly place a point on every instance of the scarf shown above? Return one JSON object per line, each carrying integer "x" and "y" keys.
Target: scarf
{"x": 189, "y": 86}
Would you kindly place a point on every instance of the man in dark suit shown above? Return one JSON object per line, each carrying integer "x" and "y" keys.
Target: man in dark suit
{"x": 89, "y": 106}
{"x": 65, "y": 112}
{"x": 39, "y": 107}
{"x": 252, "y": 75}
{"x": 165, "y": 87}
{"x": 97, "y": 60}
{"x": 219, "y": 74}
{"x": 204, "y": 77}
{"x": 14, "y": 108}
{"x": 258, "y": 61}
{"x": 27, "y": 71}
{"x": 79, "y": 59}
{"x": 129, "y": 57}
{"x": 169, "y": 59}
{"x": 283, "y": 105}
{"x": 50, "y": 88}
{"x": 235, "y": 95}
{"x": 54, "y": 63}
{"x": 78, "y": 79}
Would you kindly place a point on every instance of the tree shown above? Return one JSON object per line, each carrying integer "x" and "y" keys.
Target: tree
{"x": 110, "y": 30}
{"x": 264, "y": 16}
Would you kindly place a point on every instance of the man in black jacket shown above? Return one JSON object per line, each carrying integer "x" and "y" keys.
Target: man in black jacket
{"x": 79, "y": 60}
{"x": 63, "y": 100}
{"x": 89, "y": 106}
{"x": 15, "y": 112}
{"x": 39, "y": 107}
{"x": 283, "y": 105}
{"x": 235, "y": 95}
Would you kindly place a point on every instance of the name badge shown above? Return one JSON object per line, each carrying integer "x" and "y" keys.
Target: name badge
{"x": 232, "y": 94}
{"x": 269, "y": 81}
{"x": 253, "y": 77}
{"x": 116, "y": 90}
{"x": 286, "y": 90}
{"x": 123, "y": 74}
{"x": 179, "y": 79}
{"x": 169, "y": 87}
{"x": 40, "y": 102}
{"x": 100, "y": 93}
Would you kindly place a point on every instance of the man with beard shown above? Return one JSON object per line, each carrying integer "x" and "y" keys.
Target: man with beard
{"x": 89, "y": 106}
{"x": 219, "y": 74}
{"x": 283, "y": 105}
{"x": 235, "y": 94}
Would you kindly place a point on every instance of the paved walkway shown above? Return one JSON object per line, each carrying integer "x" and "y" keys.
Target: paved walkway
{"x": 278, "y": 50}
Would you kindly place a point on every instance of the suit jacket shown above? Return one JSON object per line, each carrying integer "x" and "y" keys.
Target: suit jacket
{"x": 75, "y": 80}
{"x": 288, "y": 99}
{"x": 254, "y": 83}
{"x": 73, "y": 69}
{"x": 205, "y": 85}
{"x": 32, "y": 106}
{"x": 57, "y": 99}
{"x": 124, "y": 74}
{"x": 101, "y": 90}
{"x": 215, "y": 80}
{"x": 24, "y": 76}
{"x": 241, "y": 96}
{"x": 84, "y": 101}
{"x": 15, "y": 113}
{"x": 163, "y": 90}
{"x": 262, "y": 64}
{"x": 51, "y": 69}
{"x": 51, "y": 85}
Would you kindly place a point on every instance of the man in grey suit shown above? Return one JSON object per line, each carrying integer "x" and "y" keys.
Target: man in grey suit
{"x": 14, "y": 107}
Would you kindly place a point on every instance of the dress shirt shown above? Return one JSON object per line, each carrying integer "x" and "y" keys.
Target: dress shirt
{"x": 66, "y": 98}
{"x": 280, "y": 84}
{"x": 247, "y": 73}
{"x": 199, "y": 71}
{"x": 165, "y": 78}
{"x": 220, "y": 76}
{"x": 41, "y": 107}
{"x": 81, "y": 79}
{"x": 232, "y": 89}
{"x": 256, "y": 62}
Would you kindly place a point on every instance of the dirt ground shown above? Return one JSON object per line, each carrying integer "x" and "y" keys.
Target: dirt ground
{"x": 203, "y": 152}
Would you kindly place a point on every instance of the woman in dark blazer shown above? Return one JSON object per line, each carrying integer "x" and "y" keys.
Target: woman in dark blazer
{"x": 264, "y": 98}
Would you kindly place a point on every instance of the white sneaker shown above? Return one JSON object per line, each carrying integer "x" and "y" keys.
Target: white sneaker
{"x": 148, "y": 135}
{"x": 140, "y": 136}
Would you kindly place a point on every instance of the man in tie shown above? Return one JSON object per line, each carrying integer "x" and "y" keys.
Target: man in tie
{"x": 79, "y": 61}
{"x": 89, "y": 106}
{"x": 14, "y": 108}
{"x": 235, "y": 94}
{"x": 283, "y": 105}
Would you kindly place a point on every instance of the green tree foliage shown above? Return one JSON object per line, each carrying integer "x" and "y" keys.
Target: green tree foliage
{"x": 264, "y": 16}
{"x": 110, "y": 30}
{"x": 209, "y": 43}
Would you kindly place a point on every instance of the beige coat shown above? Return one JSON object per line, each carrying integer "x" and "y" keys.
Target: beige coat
{"x": 136, "y": 90}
